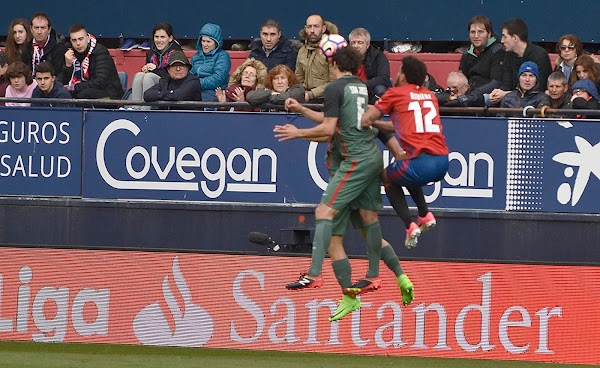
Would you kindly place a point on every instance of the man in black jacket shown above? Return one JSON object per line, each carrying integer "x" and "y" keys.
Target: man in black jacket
{"x": 47, "y": 86}
{"x": 178, "y": 85}
{"x": 46, "y": 45}
{"x": 272, "y": 48}
{"x": 90, "y": 71}
{"x": 482, "y": 62}
{"x": 375, "y": 67}
{"x": 518, "y": 51}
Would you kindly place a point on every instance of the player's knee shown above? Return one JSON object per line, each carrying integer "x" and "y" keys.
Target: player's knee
{"x": 368, "y": 217}
{"x": 323, "y": 211}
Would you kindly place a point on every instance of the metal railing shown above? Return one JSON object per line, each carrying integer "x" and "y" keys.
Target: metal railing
{"x": 527, "y": 112}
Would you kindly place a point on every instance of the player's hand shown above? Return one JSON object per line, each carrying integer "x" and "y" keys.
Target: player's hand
{"x": 69, "y": 55}
{"x": 285, "y": 132}
{"x": 292, "y": 105}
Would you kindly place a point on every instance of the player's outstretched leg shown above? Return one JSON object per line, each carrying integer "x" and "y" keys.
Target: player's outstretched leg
{"x": 347, "y": 305}
{"x": 406, "y": 288}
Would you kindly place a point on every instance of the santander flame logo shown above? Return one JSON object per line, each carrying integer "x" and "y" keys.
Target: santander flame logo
{"x": 193, "y": 325}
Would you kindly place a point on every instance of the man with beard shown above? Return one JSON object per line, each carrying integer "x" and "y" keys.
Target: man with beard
{"x": 90, "y": 71}
{"x": 312, "y": 69}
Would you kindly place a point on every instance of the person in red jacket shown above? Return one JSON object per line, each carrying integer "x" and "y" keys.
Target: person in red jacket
{"x": 413, "y": 110}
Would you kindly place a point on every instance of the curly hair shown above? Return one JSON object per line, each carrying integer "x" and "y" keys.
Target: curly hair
{"x": 280, "y": 69}
{"x": 261, "y": 72}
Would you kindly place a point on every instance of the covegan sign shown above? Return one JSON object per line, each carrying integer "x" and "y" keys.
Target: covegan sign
{"x": 160, "y": 299}
{"x": 234, "y": 157}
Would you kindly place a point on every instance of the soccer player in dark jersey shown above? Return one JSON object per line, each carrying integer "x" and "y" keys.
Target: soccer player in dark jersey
{"x": 413, "y": 110}
{"x": 356, "y": 181}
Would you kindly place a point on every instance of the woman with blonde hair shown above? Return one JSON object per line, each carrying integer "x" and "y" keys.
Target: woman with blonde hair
{"x": 18, "y": 37}
{"x": 247, "y": 77}
{"x": 281, "y": 84}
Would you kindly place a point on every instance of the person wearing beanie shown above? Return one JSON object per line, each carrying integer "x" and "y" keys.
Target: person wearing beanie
{"x": 527, "y": 92}
{"x": 585, "y": 95}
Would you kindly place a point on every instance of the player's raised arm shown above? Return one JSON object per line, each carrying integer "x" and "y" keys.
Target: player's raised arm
{"x": 320, "y": 133}
{"x": 294, "y": 106}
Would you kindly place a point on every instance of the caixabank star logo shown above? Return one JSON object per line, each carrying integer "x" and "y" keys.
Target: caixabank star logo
{"x": 553, "y": 166}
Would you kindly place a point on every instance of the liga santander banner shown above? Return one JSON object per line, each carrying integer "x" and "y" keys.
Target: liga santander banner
{"x": 234, "y": 157}
{"x": 40, "y": 151}
{"x": 484, "y": 311}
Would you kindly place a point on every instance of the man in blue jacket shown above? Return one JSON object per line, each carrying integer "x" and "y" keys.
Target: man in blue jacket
{"x": 47, "y": 86}
{"x": 272, "y": 48}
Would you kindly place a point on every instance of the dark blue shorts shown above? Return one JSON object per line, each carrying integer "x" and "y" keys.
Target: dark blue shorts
{"x": 418, "y": 171}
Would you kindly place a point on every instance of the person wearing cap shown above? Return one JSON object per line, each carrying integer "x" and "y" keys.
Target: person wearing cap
{"x": 211, "y": 64}
{"x": 178, "y": 84}
{"x": 528, "y": 91}
{"x": 585, "y": 95}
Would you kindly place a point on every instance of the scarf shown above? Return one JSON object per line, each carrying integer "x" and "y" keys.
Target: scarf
{"x": 161, "y": 59}
{"x": 81, "y": 70}
{"x": 38, "y": 53}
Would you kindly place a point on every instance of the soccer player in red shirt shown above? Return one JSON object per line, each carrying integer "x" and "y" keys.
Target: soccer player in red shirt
{"x": 413, "y": 110}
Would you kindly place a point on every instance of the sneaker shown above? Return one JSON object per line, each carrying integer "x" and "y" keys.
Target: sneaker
{"x": 145, "y": 45}
{"x": 427, "y": 222}
{"x": 363, "y": 286}
{"x": 412, "y": 235}
{"x": 305, "y": 282}
{"x": 406, "y": 289}
{"x": 347, "y": 304}
{"x": 128, "y": 45}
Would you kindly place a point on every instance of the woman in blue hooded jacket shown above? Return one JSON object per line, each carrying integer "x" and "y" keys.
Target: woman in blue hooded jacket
{"x": 211, "y": 63}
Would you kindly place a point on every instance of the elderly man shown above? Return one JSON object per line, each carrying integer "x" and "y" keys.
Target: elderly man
{"x": 375, "y": 67}
{"x": 272, "y": 48}
{"x": 179, "y": 85}
{"x": 558, "y": 96}
{"x": 90, "y": 71}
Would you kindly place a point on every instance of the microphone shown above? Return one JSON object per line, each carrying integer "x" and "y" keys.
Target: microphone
{"x": 263, "y": 239}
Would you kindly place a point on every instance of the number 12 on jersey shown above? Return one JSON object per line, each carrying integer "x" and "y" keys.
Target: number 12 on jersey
{"x": 424, "y": 124}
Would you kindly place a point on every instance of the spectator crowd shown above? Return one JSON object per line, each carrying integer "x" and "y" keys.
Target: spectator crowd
{"x": 496, "y": 70}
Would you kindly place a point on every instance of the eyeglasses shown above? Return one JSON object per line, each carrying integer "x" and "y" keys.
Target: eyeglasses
{"x": 455, "y": 89}
{"x": 579, "y": 91}
{"x": 248, "y": 74}
{"x": 565, "y": 47}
